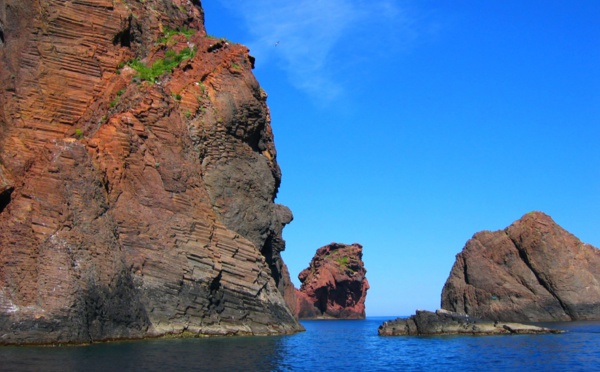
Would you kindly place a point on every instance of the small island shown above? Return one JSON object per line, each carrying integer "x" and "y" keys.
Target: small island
{"x": 334, "y": 286}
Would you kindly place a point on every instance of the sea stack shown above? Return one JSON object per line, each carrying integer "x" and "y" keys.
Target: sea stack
{"x": 137, "y": 177}
{"x": 334, "y": 286}
{"x": 532, "y": 271}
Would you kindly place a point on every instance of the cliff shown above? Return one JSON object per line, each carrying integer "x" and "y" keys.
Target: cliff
{"x": 334, "y": 285}
{"x": 137, "y": 177}
{"x": 533, "y": 270}
{"x": 447, "y": 323}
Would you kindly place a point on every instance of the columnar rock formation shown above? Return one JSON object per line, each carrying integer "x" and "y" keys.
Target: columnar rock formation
{"x": 334, "y": 285}
{"x": 447, "y": 323}
{"x": 532, "y": 271}
{"x": 137, "y": 177}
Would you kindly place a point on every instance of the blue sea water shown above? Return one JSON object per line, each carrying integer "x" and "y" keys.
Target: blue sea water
{"x": 342, "y": 345}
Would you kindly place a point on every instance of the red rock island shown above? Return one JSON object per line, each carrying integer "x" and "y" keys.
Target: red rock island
{"x": 334, "y": 285}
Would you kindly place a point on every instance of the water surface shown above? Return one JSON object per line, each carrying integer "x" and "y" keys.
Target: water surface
{"x": 351, "y": 345}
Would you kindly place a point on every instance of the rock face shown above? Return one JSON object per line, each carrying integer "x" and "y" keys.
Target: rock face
{"x": 532, "y": 271}
{"x": 334, "y": 285}
{"x": 134, "y": 201}
{"x": 447, "y": 323}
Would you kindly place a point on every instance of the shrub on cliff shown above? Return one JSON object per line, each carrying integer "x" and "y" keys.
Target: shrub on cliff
{"x": 161, "y": 66}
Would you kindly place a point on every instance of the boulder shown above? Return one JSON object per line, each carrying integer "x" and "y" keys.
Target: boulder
{"x": 334, "y": 286}
{"x": 532, "y": 271}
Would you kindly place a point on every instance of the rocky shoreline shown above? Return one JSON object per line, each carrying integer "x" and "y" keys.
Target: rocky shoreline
{"x": 444, "y": 322}
{"x": 138, "y": 177}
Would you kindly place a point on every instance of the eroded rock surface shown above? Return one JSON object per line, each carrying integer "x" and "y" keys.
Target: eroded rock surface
{"x": 334, "y": 285}
{"x": 133, "y": 208}
{"x": 534, "y": 270}
{"x": 447, "y": 323}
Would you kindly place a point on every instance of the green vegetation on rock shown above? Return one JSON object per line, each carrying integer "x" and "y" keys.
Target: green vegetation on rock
{"x": 343, "y": 261}
{"x": 170, "y": 32}
{"x": 161, "y": 66}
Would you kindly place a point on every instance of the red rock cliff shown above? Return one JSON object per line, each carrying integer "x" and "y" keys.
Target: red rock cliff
{"x": 334, "y": 285}
{"x": 136, "y": 197}
{"x": 533, "y": 270}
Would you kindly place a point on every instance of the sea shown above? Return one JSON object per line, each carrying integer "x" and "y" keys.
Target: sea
{"x": 327, "y": 345}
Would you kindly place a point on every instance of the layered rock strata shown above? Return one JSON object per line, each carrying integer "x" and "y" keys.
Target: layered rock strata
{"x": 334, "y": 285}
{"x": 532, "y": 271}
{"x": 137, "y": 177}
{"x": 447, "y": 323}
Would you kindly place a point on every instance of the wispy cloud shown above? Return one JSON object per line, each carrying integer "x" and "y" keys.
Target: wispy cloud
{"x": 309, "y": 39}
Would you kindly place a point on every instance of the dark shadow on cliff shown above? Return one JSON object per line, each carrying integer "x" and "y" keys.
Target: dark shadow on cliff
{"x": 114, "y": 311}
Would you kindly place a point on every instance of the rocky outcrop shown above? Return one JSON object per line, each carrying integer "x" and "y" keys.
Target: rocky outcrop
{"x": 137, "y": 177}
{"x": 533, "y": 270}
{"x": 334, "y": 285}
{"x": 447, "y": 323}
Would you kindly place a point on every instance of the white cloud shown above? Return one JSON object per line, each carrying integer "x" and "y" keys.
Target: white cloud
{"x": 304, "y": 37}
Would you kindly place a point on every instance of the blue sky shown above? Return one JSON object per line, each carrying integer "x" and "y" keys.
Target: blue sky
{"x": 408, "y": 126}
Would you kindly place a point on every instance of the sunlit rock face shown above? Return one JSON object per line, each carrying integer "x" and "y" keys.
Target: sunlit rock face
{"x": 134, "y": 201}
{"x": 533, "y": 270}
{"x": 334, "y": 285}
